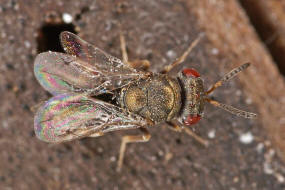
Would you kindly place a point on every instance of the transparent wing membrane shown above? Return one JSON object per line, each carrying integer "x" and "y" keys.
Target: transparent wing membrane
{"x": 85, "y": 69}
{"x": 70, "y": 116}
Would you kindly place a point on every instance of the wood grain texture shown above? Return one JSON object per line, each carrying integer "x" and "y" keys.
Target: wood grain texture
{"x": 228, "y": 29}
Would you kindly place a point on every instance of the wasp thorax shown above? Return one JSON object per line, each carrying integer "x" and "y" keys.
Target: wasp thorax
{"x": 157, "y": 98}
{"x": 193, "y": 96}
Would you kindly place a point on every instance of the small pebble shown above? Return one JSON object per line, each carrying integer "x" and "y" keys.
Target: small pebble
{"x": 260, "y": 147}
{"x": 212, "y": 134}
{"x": 238, "y": 92}
{"x": 113, "y": 159}
{"x": 246, "y": 138}
{"x": 215, "y": 51}
{"x": 280, "y": 178}
{"x": 27, "y": 44}
{"x": 171, "y": 54}
{"x": 67, "y": 18}
{"x": 248, "y": 101}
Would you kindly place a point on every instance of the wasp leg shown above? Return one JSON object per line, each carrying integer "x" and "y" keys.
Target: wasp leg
{"x": 124, "y": 49}
{"x": 182, "y": 57}
{"x": 98, "y": 134}
{"x": 140, "y": 64}
{"x": 132, "y": 139}
{"x": 137, "y": 64}
{"x": 188, "y": 131}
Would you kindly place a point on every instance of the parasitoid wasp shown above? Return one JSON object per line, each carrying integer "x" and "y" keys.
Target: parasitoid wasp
{"x": 140, "y": 99}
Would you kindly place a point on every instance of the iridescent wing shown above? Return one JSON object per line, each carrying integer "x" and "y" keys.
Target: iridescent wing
{"x": 86, "y": 69}
{"x": 71, "y": 116}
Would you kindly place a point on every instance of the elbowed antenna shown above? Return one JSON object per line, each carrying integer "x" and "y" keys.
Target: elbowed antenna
{"x": 232, "y": 110}
{"x": 228, "y": 76}
{"x": 225, "y": 107}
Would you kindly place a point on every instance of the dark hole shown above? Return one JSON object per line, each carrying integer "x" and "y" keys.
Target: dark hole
{"x": 189, "y": 158}
{"x": 178, "y": 141}
{"x": 83, "y": 11}
{"x": 10, "y": 159}
{"x": 85, "y": 156}
{"x": 8, "y": 86}
{"x": 50, "y": 159}
{"x": 26, "y": 107}
{"x": 10, "y": 66}
{"x": 133, "y": 171}
{"x": 68, "y": 147}
{"x": 32, "y": 133}
{"x": 9, "y": 112}
{"x": 48, "y": 38}
{"x": 2, "y": 178}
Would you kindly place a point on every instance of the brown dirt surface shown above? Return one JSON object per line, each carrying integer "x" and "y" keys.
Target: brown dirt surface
{"x": 158, "y": 31}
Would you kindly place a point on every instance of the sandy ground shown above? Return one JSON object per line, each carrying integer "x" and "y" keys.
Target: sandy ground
{"x": 240, "y": 156}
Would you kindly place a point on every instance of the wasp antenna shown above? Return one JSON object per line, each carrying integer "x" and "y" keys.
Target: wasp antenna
{"x": 183, "y": 56}
{"x": 123, "y": 48}
{"x": 228, "y": 76}
{"x": 232, "y": 110}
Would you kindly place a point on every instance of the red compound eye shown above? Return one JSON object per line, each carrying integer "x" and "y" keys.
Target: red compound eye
{"x": 192, "y": 119}
{"x": 190, "y": 73}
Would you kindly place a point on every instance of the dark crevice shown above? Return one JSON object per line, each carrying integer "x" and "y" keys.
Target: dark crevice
{"x": 267, "y": 30}
{"x": 82, "y": 11}
{"x": 48, "y": 36}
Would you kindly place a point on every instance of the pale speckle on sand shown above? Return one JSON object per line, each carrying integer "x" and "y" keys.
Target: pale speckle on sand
{"x": 67, "y": 18}
{"x": 171, "y": 54}
{"x": 215, "y": 51}
{"x": 248, "y": 101}
{"x": 246, "y": 138}
{"x": 260, "y": 147}
{"x": 212, "y": 134}
{"x": 27, "y": 44}
{"x": 113, "y": 158}
{"x": 238, "y": 92}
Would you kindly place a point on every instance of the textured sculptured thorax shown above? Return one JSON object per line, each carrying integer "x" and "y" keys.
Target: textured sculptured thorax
{"x": 193, "y": 96}
{"x": 157, "y": 98}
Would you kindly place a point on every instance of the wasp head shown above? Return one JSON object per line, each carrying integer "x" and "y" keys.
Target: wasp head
{"x": 193, "y": 96}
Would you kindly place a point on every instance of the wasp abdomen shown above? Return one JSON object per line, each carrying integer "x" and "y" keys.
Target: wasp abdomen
{"x": 156, "y": 98}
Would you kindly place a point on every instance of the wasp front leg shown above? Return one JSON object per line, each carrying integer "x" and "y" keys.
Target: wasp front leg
{"x": 131, "y": 139}
{"x": 136, "y": 64}
{"x": 188, "y": 131}
{"x": 182, "y": 58}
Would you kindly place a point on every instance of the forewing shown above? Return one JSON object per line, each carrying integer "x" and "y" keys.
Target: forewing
{"x": 86, "y": 69}
{"x": 71, "y": 116}
{"x": 60, "y": 73}
{"x": 110, "y": 67}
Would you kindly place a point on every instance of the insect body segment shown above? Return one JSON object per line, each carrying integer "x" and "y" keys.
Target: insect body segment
{"x": 79, "y": 78}
{"x": 194, "y": 96}
{"x": 158, "y": 98}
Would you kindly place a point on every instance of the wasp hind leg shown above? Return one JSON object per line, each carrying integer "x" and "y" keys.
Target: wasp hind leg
{"x": 177, "y": 128}
{"x": 136, "y": 64}
{"x": 131, "y": 139}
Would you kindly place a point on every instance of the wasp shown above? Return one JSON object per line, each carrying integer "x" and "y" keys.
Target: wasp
{"x": 139, "y": 99}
